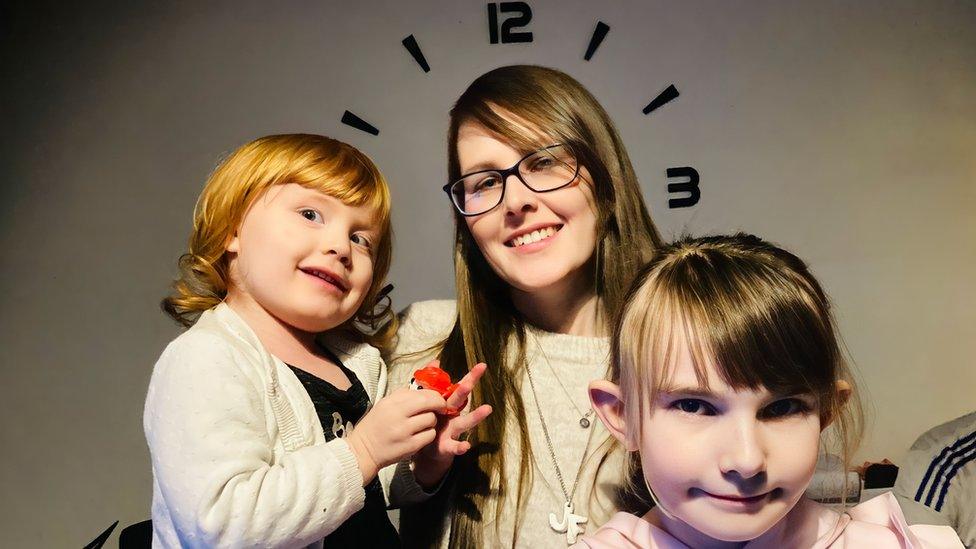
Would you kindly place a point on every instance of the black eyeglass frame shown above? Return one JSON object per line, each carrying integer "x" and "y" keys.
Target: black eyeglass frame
{"x": 514, "y": 170}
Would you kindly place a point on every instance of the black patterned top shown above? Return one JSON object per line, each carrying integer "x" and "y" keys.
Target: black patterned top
{"x": 338, "y": 411}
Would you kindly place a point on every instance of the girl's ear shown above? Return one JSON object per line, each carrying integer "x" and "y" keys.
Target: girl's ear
{"x": 606, "y": 399}
{"x": 844, "y": 392}
{"x": 233, "y": 244}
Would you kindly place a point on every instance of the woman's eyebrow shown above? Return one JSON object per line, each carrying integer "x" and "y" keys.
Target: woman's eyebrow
{"x": 480, "y": 167}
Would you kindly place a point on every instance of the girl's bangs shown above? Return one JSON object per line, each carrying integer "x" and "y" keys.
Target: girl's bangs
{"x": 350, "y": 179}
{"x": 760, "y": 329}
{"x": 754, "y": 334}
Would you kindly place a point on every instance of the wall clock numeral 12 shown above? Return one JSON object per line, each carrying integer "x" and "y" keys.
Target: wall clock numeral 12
{"x": 508, "y": 36}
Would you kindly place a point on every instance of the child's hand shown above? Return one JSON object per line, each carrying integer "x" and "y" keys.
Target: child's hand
{"x": 432, "y": 462}
{"x": 396, "y": 427}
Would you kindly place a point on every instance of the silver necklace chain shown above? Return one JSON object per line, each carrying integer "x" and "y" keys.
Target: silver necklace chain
{"x": 584, "y": 420}
{"x": 552, "y": 452}
{"x": 571, "y": 523}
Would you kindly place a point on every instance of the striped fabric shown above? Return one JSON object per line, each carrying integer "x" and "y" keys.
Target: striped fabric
{"x": 940, "y": 473}
{"x": 943, "y": 469}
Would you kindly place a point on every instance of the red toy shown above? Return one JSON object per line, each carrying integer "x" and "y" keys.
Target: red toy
{"x": 435, "y": 379}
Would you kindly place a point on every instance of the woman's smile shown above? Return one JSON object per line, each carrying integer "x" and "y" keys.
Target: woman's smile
{"x": 532, "y": 239}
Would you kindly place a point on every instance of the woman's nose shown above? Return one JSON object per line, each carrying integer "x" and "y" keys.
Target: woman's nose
{"x": 743, "y": 451}
{"x": 518, "y": 198}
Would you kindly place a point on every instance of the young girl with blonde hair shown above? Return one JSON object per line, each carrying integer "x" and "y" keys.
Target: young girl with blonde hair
{"x": 550, "y": 226}
{"x": 263, "y": 419}
{"x": 727, "y": 376}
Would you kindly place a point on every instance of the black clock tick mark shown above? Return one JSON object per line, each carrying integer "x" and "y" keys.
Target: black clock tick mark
{"x": 664, "y": 97}
{"x": 411, "y": 44}
{"x": 599, "y": 33}
{"x": 351, "y": 119}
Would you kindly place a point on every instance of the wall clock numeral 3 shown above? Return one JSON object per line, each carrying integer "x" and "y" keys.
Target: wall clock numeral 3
{"x": 690, "y": 187}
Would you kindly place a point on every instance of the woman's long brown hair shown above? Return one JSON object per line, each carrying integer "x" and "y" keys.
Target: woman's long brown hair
{"x": 517, "y": 103}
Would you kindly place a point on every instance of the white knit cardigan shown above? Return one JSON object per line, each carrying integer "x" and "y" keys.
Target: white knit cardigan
{"x": 239, "y": 457}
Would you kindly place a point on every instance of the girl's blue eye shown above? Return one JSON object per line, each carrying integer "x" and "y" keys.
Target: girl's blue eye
{"x": 311, "y": 215}
{"x": 693, "y": 406}
{"x": 783, "y": 408}
{"x": 361, "y": 240}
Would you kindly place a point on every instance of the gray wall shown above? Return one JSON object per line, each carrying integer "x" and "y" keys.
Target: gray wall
{"x": 844, "y": 133}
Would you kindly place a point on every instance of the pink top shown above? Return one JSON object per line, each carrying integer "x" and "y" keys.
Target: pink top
{"x": 877, "y": 523}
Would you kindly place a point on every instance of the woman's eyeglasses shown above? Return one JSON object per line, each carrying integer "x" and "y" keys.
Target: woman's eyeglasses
{"x": 544, "y": 170}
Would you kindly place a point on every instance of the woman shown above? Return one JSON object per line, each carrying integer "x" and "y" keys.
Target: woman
{"x": 550, "y": 228}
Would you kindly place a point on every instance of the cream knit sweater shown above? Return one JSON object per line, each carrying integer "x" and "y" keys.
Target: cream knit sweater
{"x": 576, "y": 360}
{"x": 238, "y": 454}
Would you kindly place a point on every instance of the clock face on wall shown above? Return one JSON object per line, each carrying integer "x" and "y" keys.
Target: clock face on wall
{"x": 511, "y": 23}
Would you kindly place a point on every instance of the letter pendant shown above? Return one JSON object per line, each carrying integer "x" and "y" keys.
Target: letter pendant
{"x": 570, "y": 524}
